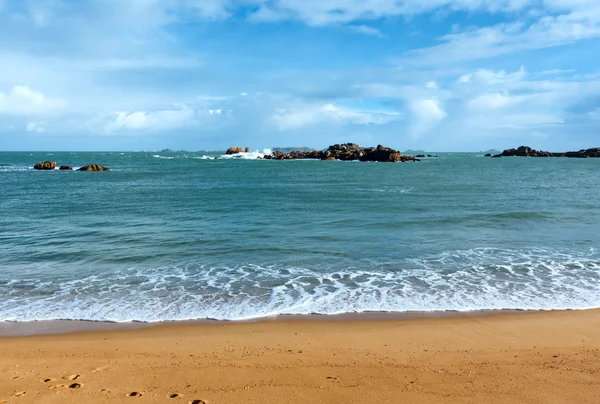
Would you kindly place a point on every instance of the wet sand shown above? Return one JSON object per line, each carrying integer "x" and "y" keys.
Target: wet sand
{"x": 549, "y": 357}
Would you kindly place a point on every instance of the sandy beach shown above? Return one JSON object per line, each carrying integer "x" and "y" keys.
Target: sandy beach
{"x": 547, "y": 357}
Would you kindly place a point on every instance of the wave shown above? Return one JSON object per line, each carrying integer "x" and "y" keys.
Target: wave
{"x": 255, "y": 155}
{"x": 247, "y": 156}
{"x": 11, "y": 168}
{"x": 478, "y": 279}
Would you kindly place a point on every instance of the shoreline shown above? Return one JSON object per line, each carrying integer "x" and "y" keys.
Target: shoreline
{"x": 527, "y": 357}
{"x": 10, "y": 329}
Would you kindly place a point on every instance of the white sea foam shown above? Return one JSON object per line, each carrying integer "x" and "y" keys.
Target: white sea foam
{"x": 254, "y": 155}
{"x": 162, "y": 157}
{"x": 10, "y": 168}
{"x": 478, "y": 279}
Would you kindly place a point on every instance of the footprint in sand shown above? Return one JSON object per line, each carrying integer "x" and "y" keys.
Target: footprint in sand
{"x": 57, "y": 386}
{"x": 48, "y": 380}
{"x": 134, "y": 394}
{"x": 198, "y": 402}
{"x": 15, "y": 377}
{"x": 100, "y": 369}
{"x": 75, "y": 386}
{"x": 175, "y": 395}
{"x": 72, "y": 377}
{"x": 19, "y": 394}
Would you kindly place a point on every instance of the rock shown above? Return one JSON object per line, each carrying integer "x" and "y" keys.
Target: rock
{"x": 593, "y": 152}
{"x": 576, "y": 154}
{"x": 247, "y": 150}
{"x": 488, "y": 155}
{"x": 65, "y": 168}
{"x": 94, "y": 167}
{"x": 234, "y": 150}
{"x": 279, "y": 155}
{"x": 383, "y": 154}
{"x": 46, "y": 165}
{"x": 344, "y": 152}
{"x": 313, "y": 154}
{"x": 526, "y": 151}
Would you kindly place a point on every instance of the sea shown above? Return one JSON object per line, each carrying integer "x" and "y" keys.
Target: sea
{"x": 196, "y": 235}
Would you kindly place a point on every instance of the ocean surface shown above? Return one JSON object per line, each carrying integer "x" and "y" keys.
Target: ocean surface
{"x": 169, "y": 236}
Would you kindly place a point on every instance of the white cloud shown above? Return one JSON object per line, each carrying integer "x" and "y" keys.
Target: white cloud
{"x": 296, "y": 118}
{"x": 156, "y": 120}
{"x": 492, "y": 101}
{"x": 318, "y": 12}
{"x": 547, "y": 31}
{"x": 427, "y": 113}
{"x": 595, "y": 114}
{"x": 487, "y": 77}
{"x": 22, "y": 100}
{"x": 35, "y": 127}
{"x": 431, "y": 84}
{"x": 365, "y": 29}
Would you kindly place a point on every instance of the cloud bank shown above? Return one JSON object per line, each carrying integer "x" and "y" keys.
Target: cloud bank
{"x": 204, "y": 74}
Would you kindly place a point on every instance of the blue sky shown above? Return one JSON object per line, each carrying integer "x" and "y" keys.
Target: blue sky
{"x": 439, "y": 75}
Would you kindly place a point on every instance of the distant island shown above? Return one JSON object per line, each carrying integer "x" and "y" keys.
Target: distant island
{"x": 526, "y": 151}
{"x": 343, "y": 152}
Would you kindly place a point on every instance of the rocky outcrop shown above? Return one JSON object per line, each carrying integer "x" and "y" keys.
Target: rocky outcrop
{"x": 94, "y": 167}
{"x": 234, "y": 150}
{"x": 526, "y": 151}
{"x": 593, "y": 152}
{"x": 46, "y": 165}
{"x": 345, "y": 152}
{"x": 247, "y": 150}
{"x": 51, "y": 165}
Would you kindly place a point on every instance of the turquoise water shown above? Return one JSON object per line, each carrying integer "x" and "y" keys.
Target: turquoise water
{"x": 167, "y": 236}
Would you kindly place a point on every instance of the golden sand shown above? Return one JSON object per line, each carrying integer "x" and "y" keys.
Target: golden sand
{"x": 550, "y": 357}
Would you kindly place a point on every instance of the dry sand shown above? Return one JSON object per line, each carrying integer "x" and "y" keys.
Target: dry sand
{"x": 507, "y": 358}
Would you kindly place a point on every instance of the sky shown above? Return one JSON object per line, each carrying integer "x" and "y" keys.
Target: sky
{"x": 436, "y": 75}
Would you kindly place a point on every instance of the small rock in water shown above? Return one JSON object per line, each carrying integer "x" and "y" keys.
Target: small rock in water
{"x": 46, "y": 165}
{"x": 65, "y": 168}
{"x": 94, "y": 167}
{"x": 234, "y": 150}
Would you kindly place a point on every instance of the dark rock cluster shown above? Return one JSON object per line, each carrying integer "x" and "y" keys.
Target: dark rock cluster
{"x": 526, "y": 151}
{"x": 51, "y": 165}
{"x": 345, "y": 152}
{"x": 94, "y": 167}
{"x": 236, "y": 150}
{"x": 45, "y": 165}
